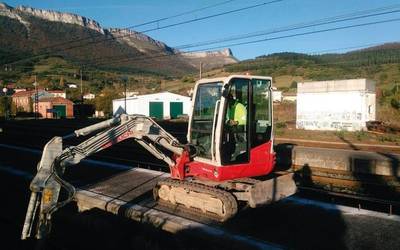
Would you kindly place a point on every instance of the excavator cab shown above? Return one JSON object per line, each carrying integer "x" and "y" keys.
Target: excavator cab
{"x": 231, "y": 127}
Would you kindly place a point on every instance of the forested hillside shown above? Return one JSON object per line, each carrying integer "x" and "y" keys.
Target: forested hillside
{"x": 375, "y": 63}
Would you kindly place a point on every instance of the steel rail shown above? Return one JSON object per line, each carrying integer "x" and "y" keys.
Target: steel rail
{"x": 390, "y": 203}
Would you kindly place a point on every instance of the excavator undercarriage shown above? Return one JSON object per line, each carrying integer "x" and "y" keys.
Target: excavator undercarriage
{"x": 221, "y": 200}
{"x": 196, "y": 198}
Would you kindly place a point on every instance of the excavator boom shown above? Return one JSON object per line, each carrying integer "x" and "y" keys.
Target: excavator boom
{"x": 46, "y": 185}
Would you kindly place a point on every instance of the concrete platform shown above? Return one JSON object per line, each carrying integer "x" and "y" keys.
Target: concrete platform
{"x": 347, "y": 160}
{"x": 128, "y": 194}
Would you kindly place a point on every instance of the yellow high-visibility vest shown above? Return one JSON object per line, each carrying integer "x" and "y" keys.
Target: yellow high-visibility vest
{"x": 238, "y": 113}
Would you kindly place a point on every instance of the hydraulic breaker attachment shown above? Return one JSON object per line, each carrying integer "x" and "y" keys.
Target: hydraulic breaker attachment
{"x": 45, "y": 189}
{"x": 47, "y": 183}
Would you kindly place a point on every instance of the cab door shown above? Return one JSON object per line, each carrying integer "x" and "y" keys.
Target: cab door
{"x": 248, "y": 145}
{"x": 204, "y": 119}
{"x": 235, "y": 130}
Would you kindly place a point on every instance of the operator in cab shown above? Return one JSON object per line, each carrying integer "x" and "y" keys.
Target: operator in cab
{"x": 236, "y": 119}
{"x": 236, "y": 114}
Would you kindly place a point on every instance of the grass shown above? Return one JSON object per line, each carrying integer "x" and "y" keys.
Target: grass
{"x": 339, "y": 136}
{"x": 285, "y": 81}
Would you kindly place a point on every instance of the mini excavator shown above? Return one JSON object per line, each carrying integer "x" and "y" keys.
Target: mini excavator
{"x": 223, "y": 167}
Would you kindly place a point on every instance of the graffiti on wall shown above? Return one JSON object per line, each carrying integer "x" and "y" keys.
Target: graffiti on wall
{"x": 330, "y": 121}
{"x": 337, "y": 116}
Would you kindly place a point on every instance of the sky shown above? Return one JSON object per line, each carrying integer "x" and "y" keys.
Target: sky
{"x": 124, "y": 13}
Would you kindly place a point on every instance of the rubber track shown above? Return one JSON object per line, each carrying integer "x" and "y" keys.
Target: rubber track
{"x": 231, "y": 206}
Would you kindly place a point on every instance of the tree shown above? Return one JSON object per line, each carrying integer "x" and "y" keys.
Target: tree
{"x": 73, "y": 94}
{"x": 293, "y": 85}
{"x": 383, "y": 77}
{"x": 395, "y": 103}
{"x": 5, "y": 106}
{"x": 103, "y": 101}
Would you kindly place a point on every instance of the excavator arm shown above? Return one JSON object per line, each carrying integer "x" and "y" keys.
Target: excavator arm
{"x": 46, "y": 185}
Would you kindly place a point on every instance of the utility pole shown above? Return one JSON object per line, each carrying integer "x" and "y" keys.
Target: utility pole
{"x": 81, "y": 87}
{"x": 125, "y": 80}
{"x": 201, "y": 66}
{"x": 5, "y": 103}
{"x": 36, "y": 109}
{"x": 125, "y": 99}
{"x": 7, "y": 67}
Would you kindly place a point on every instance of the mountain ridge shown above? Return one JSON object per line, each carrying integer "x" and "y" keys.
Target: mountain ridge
{"x": 128, "y": 43}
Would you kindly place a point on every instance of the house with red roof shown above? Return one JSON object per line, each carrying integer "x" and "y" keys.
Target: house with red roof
{"x": 56, "y": 107}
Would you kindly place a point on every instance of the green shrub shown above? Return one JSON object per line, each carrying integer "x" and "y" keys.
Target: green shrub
{"x": 360, "y": 135}
{"x": 395, "y": 103}
{"x": 280, "y": 125}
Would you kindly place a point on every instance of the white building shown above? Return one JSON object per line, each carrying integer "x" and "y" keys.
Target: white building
{"x": 72, "y": 86}
{"x": 289, "y": 97}
{"x": 129, "y": 93}
{"x": 58, "y": 93}
{"x": 276, "y": 95}
{"x": 163, "y": 105}
{"x": 335, "y": 105}
{"x": 89, "y": 96}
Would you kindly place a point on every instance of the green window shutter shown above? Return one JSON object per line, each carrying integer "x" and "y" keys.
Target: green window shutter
{"x": 175, "y": 109}
{"x": 61, "y": 110}
{"x": 156, "y": 109}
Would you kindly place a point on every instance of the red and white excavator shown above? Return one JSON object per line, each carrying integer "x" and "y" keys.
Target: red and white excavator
{"x": 223, "y": 165}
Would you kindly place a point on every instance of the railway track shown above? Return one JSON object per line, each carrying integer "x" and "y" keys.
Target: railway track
{"x": 341, "y": 145}
{"x": 331, "y": 186}
{"x": 390, "y": 207}
{"x": 173, "y": 220}
{"x": 314, "y": 198}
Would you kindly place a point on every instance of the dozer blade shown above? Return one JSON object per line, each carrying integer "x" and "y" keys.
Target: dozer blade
{"x": 272, "y": 190}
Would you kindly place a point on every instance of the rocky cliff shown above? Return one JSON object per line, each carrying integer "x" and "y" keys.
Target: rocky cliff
{"x": 50, "y": 15}
{"x": 48, "y": 27}
{"x": 8, "y": 11}
{"x": 138, "y": 40}
{"x": 55, "y": 16}
{"x": 210, "y": 59}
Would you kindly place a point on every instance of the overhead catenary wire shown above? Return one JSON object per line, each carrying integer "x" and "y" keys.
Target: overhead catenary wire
{"x": 133, "y": 26}
{"x": 212, "y": 16}
{"x": 262, "y": 40}
{"x": 343, "y": 48}
{"x": 320, "y": 22}
{"x": 267, "y": 39}
{"x": 158, "y": 28}
{"x": 356, "y": 62}
{"x": 180, "y": 14}
{"x": 305, "y": 33}
{"x": 315, "y": 52}
{"x": 176, "y": 24}
{"x": 231, "y": 45}
{"x": 345, "y": 17}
